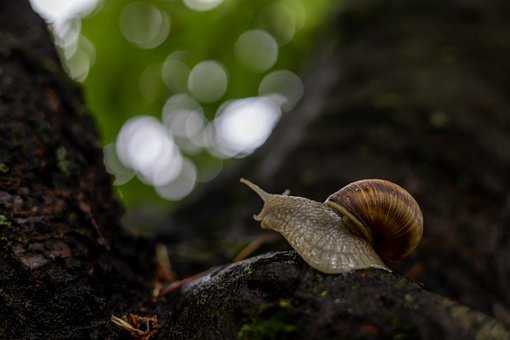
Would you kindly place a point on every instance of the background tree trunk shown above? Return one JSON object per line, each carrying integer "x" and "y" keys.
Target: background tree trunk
{"x": 414, "y": 92}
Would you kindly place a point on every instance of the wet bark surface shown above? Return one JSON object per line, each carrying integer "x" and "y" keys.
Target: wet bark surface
{"x": 416, "y": 93}
{"x": 278, "y": 296}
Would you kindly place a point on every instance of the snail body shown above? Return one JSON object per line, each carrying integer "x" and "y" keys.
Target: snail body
{"x": 369, "y": 223}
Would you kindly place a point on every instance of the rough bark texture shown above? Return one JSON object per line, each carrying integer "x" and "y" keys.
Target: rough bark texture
{"x": 61, "y": 275}
{"x": 399, "y": 91}
{"x": 278, "y": 296}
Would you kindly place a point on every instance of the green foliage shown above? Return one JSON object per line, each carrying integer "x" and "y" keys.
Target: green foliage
{"x": 112, "y": 87}
{"x": 274, "y": 328}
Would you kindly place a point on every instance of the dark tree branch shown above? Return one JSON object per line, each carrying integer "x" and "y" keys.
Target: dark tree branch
{"x": 278, "y": 296}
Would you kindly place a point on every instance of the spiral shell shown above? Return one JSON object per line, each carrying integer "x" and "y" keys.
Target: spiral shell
{"x": 383, "y": 213}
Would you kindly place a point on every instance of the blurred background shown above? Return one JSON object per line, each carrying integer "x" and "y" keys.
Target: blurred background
{"x": 180, "y": 89}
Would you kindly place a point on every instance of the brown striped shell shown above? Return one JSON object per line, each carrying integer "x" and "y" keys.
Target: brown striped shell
{"x": 384, "y": 213}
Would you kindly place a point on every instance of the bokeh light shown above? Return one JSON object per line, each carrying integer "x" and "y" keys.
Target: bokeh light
{"x": 205, "y": 138}
{"x": 244, "y": 124}
{"x": 144, "y": 145}
{"x": 165, "y": 169}
{"x": 279, "y": 19}
{"x": 257, "y": 50}
{"x": 298, "y": 12}
{"x": 183, "y": 116}
{"x": 64, "y": 18}
{"x": 80, "y": 59}
{"x": 204, "y": 65}
{"x": 67, "y": 35}
{"x": 58, "y": 11}
{"x": 208, "y": 81}
{"x": 144, "y": 25}
{"x": 284, "y": 83}
{"x": 175, "y": 72}
{"x": 181, "y": 186}
{"x": 115, "y": 167}
{"x": 202, "y": 5}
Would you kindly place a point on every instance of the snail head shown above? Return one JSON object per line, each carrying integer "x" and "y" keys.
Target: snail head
{"x": 281, "y": 211}
{"x": 266, "y": 216}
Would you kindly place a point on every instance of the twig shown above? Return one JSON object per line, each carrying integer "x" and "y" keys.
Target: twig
{"x": 254, "y": 245}
{"x": 164, "y": 272}
{"x": 178, "y": 284}
{"x": 132, "y": 324}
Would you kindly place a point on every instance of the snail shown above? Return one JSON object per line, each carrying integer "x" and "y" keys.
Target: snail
{"x": 371, "y": 223}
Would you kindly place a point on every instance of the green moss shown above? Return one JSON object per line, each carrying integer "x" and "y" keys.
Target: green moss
{"x": 248, "y": 269}
{"x": 388, "y": 100}
{"x": 439, "y": 119}
{"x": 62, "y": 161}
{"x": 4, "y": 168}
{"x": 409, "y": 300}
{"x": 284, "y": 303}
{"x": 402, "y": 283}
{"x": 274, "y": 328}
{"x": 4, "y": 221}
{"x": 492, "y": 330}
{"x": 263, "y": 307}
{"x": 202, "y": 299}
{"x": 4, "y": 244}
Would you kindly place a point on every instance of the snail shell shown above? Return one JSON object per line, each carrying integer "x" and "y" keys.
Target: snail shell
{"x": 360, "y": 226}
{"x": 384, "y": 213}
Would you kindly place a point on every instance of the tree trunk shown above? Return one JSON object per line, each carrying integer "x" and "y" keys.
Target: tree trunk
{"x": 61, "y": 272}
{"x": 398, "y": 91}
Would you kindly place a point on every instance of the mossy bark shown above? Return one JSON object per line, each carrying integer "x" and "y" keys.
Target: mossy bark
{"x": 278, "y": 296}
{"x": 393, "y": 85}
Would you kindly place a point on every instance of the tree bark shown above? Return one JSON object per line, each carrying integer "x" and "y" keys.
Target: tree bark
{"x": 396, "y": 92}
{"x": 278, "y": 296}
{"x": 62, "y": 273}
